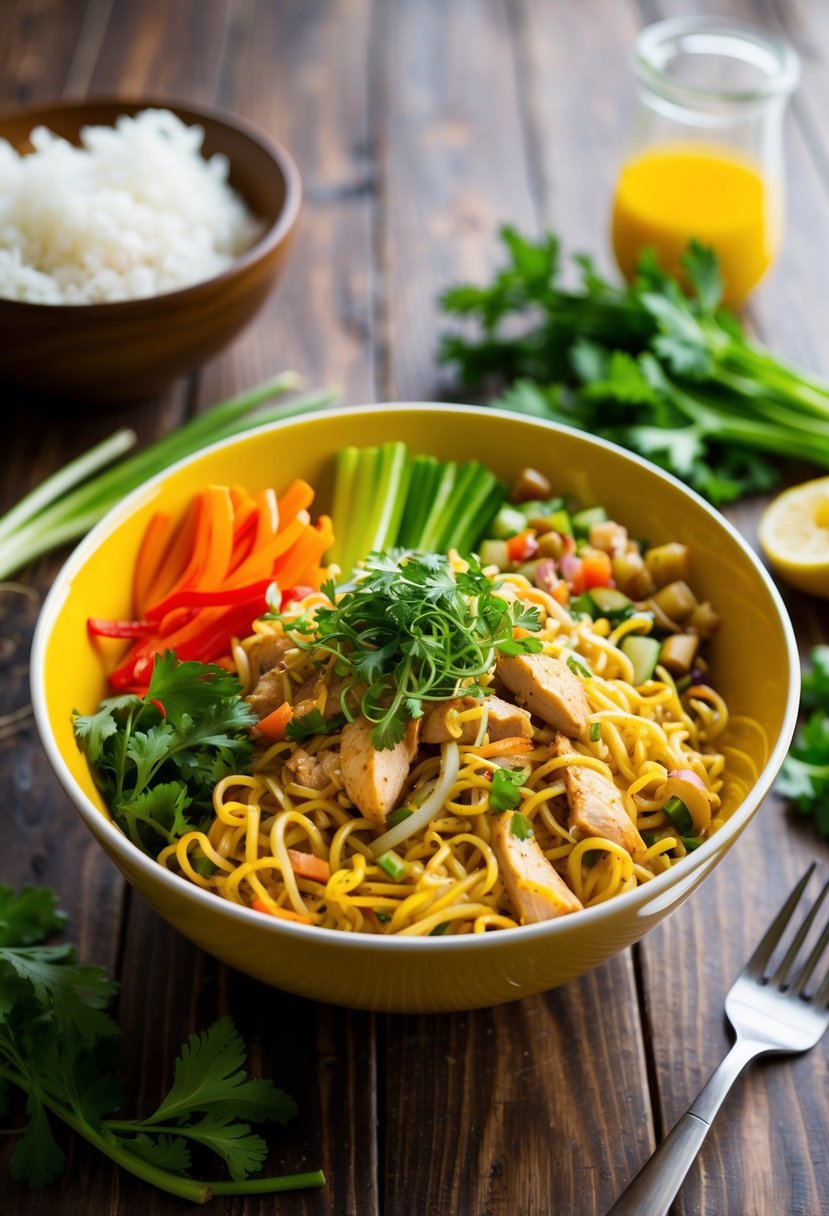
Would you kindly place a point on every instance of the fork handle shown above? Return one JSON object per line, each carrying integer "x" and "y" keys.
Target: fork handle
{"x": 655, "y": 1186}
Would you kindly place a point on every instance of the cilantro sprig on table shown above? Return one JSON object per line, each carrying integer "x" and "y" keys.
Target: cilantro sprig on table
{"x": 804, "y": 777}
{"x": 157, "y": 758}
{"x": 670, "y": 376}
{"x": 58, "y": 1045}
{"x": 409, "y": 630}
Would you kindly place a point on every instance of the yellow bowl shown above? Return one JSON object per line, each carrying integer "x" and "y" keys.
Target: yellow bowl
{"x": 754, "y": 658}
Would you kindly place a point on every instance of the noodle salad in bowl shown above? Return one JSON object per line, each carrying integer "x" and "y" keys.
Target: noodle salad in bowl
{"x": 402, "y": 729}
{"x": 435, "y": 745}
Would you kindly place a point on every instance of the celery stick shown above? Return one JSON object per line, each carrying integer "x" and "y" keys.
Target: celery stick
{"x": 357, "y": 532}
{"x": 476, "y": 526}
{"x": 423, "y": 479}
{"x": 431, "y": 529}
{"x": 468, "y": 515}
{"x": 345, "y": 473}
{"x": 391, "y": 496}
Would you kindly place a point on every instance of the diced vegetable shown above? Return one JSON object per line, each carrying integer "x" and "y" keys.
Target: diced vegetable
{"x": 643, "y": 652}
{"x": 530, "y": 484}
{"x": 676, "y": 600}
{"x": 687, "y": 786}
{"x": 522, "y": 547}
{"x": 508, "y": 522}
{"x": 677, "y": 812}
{"x": 667, "y": 563}
{"x": 393, "y": 864}
{"x": 610, "y": 602}
{"x": 583, "y": 520}
{"x": 273, "y": 726}
{"x": 679, "y": 652}
{"x": 494, "y": 553}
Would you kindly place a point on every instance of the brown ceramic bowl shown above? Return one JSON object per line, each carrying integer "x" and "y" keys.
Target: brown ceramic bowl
{"x": 134, "y": 349}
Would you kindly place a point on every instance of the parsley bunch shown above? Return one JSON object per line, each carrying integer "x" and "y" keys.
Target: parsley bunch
{"x": 157, "y": 758}
{"x": 804, "y": 777}
{"x": 668, "y": 375}
{"x": 59, "y": 1046}
{"x": 411, "y": 630}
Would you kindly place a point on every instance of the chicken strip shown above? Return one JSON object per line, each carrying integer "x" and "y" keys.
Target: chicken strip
{"x": 536, "y": 890}
{"x": 504, "y": 721}
{"x": 596, "y": 806}
{"x": 374, "y": 779}
{"x": 312, "y": 772}
{"x": 549, "y": 689}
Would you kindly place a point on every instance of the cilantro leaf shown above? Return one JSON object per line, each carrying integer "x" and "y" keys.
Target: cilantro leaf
{"x": 58, "y": 1045}
{"x": 153, "y": 757}
{"x": 312, "y": 723}
{"x": 37, "y": 1158}
{"x": 208, "y": 1073}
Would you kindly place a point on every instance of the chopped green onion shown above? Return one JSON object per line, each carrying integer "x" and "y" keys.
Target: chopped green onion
{"x": 578, "y": 668}
{"x": 440, "y": 929}
{"x": 520, "y": 826}
{"x": 398, "y": 816}
{"x": 506, "y": 788}
{"x": 691, "y": 842}
{"x": 595, "y": 732}
{"x": 383, "y": 917}
{"x": 393, "y": 864}
{"x": 677, "y": 812}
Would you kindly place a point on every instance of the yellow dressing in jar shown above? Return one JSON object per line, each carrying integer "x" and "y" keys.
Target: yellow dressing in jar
{"x": 669, "y": 194}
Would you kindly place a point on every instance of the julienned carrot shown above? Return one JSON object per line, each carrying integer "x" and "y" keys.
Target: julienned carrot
{"x": 150, "y": 555}
{"x": 298, "y": 497}
{"x": 175, "y": 559}
{"x": 306, "y": 865}
{"x": 273, "y": 726}
{"x": 504, "y": 747}
{"x": 212, "y": 572}
{"x": 259, "y": 905}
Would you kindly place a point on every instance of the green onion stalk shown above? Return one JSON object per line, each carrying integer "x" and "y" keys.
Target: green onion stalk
{"x": 70, "y": 502}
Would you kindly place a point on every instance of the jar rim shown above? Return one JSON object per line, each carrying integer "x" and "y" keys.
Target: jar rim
{"x": 777, "y": 58}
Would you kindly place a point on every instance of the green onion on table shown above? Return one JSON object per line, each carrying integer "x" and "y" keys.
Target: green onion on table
{"x": 70, "y": 502}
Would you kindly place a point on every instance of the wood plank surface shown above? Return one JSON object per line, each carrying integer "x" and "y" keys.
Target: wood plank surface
{"x": 418, "y": 127}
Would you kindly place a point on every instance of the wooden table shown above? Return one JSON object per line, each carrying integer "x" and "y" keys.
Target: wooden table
{"x": 418, "y": 127}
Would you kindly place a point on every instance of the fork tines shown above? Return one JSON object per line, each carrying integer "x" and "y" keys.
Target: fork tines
{"x": 784, "y": 976}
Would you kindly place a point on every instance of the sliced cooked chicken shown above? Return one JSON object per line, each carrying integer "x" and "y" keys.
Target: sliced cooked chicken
{"x": 536, "y": 890}
{"x": 596, "y": 806}
{"x": 549, "y": 689}
{"x": 503, "y": 721}
{"x": 268, "y": 694}
{"x": 312, "y": 772}
{"x": 374, "y": 779}
{"x": 266, "y": 653}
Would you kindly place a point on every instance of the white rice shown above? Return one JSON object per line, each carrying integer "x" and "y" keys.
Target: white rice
{"x": 135, "y": 212}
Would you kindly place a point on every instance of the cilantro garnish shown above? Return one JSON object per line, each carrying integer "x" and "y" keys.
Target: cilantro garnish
{"x": 804, "y": 777}
{"x": 157, "y": 758}
{"x": 312, "y": 723}
{"x": 56, "y": 1045}
{"x": 409, "y": 629}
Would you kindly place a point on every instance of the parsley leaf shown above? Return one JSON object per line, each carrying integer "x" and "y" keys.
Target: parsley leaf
{"x": 58, "y": 1045}
{"x": 156, "y": 758}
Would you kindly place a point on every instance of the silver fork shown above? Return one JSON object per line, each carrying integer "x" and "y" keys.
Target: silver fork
{"x": 780, "y": 1012}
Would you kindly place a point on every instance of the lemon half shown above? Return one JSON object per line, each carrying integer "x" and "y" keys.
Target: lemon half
{"x": 794, "y": 535}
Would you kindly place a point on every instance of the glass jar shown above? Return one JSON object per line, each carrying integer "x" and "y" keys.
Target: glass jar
{"x": 705, "y": 154}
